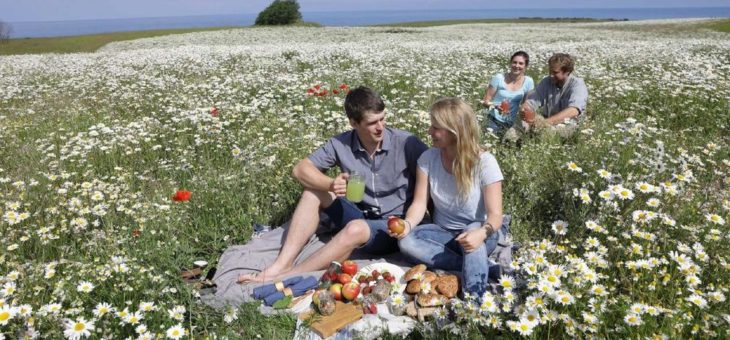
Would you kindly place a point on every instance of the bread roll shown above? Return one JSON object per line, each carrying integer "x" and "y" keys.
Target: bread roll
{"x": 431, "y": 300}
{"x": 413, "y": 287}
{"x": 447, "y": 285}
{"x": 428, "y": 276}
{"x": 417, "y": 269}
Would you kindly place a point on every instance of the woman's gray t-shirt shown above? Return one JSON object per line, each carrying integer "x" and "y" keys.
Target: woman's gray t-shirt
{"x": 451, "y": 211}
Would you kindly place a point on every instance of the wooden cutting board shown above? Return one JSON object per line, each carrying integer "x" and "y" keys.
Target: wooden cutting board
{"x": 326, "y": 326}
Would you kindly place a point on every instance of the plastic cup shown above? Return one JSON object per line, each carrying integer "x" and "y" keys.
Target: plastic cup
{"x": 528, "y": 114}
{"x": 355, "y": 187}
{"x": 504, "y": 107}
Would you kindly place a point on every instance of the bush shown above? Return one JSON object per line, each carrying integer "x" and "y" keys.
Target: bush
{"x": 280, "y": 12}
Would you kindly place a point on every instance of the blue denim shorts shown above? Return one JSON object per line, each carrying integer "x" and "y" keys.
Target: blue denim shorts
{"x": 342, "y": 212}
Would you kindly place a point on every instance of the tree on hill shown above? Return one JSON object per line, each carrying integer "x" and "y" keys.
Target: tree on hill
{"x": 5, "y": 30}
{"x": 280, "y": 12}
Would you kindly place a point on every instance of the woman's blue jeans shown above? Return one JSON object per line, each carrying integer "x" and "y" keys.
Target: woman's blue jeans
{"x": 498, "y": 128}
{"x": 436, "y": 247}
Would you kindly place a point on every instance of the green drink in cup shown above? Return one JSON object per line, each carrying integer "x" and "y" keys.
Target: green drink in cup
{"x": 355, "y": 187}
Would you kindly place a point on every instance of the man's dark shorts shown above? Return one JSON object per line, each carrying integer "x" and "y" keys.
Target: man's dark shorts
{"x": 342, "y": 211}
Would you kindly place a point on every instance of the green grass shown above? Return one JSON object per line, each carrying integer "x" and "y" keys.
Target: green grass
{"x": 722, "y": 25}
{"x": 85, "y": 43}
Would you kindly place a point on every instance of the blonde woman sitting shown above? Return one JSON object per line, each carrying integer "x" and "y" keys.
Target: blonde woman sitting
{"x": 465, "y": 183}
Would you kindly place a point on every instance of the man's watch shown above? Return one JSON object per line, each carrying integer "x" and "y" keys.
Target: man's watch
{"x": 489, "y": 228}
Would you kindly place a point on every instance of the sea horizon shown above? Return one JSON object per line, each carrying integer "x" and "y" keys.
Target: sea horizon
{"x": 57, "y": 28}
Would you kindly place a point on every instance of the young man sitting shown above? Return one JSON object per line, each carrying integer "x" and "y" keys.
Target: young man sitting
{"x": 386, "y": 157}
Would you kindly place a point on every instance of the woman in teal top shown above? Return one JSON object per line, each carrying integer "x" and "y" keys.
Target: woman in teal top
{"x": 506, "y": 92}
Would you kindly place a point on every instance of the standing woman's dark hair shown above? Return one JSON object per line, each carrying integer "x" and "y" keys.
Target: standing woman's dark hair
{"x": 522, "y": 54}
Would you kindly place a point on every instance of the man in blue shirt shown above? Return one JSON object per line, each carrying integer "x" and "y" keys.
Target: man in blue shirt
{"x": 386, "y": 157}
{"x": 562, "y": 96}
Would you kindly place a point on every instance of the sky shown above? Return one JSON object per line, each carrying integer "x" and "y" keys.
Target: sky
{"x": 58, "y": 10}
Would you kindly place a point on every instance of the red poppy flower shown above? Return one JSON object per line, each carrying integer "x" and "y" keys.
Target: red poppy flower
{"x": 344, "y": 86}
{"x": 322, "y": 93}
{"x": 310, "y": 91}
{"x": 317, "y": 87}
{"x": 214, "y": 111}
{"x": 335, "y": 91}
{"x": 181, "y": 195}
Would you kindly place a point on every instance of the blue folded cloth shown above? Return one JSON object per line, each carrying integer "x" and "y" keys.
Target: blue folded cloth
{"x": 297, "y": 289}
{"x": 262, "y": 291}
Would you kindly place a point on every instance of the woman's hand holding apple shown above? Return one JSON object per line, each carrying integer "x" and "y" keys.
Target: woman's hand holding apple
{"x": 398, "y": 227}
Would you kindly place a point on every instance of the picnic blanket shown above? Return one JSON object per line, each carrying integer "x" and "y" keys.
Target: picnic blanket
{"x": 260, "y": 252}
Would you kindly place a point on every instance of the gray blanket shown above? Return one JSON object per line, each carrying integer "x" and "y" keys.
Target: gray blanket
{"x": 261, "y": 252}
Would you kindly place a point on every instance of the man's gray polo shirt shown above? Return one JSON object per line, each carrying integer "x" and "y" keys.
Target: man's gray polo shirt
{"x": 389, "y": 177}
{"x": 553, "y": 99}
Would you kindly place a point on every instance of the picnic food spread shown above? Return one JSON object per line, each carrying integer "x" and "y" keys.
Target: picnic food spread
{"x": 344, "y": 294}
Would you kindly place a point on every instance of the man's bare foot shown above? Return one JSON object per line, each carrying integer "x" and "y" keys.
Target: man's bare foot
{"x": 269, "y": 274}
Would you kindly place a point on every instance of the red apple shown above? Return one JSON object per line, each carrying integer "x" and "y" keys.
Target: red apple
{"x": 344, "y": 278}
{"x": 336, "y": 290}
{"x": 351, "y": 290}
{"x": 396, "y": 225}
{"x": 369, "y": 307}
{"x": 349, "y": 267}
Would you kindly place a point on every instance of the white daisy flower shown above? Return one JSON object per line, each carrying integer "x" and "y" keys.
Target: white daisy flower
{"x": 133, "y": 318}
{"x": 697, "y": 300}
{"x": 102, "y": 309}
{"x": 625, "y": 194}
{"x": 7, "y": 313}
{"x": 8, "y": 289}
{"x": 574, "y": 167}
{"x": 85, "y": 287}
{"x": 637, "y": 308}
{"x": 633, "y": 319}
{"x": 714, "y": 218}
{"x": 146, "y": 336}
{"x": 141, "y": 329}
{"x": 560, "y": 227}
{"x": 80, "y": 328}
{"x": 644, "y": 187}
{"x": 606, "y": 195}
{"x": 524, "y": 328}
{"x": 175, "y": 332}
{"x": 653, "y": 202}
{"x": 507, "y": 282}
{"x": 25, "y": 310}
{"x": 230, "y": 315}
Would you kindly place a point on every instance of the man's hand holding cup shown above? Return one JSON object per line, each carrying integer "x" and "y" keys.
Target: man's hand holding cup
{"x": 527, "y": 113}
{"x": 339, "y": 184}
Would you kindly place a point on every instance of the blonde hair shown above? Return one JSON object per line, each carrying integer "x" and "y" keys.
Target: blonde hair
{"x": 457, "y": 117}
{"x": 562, "y": 60}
